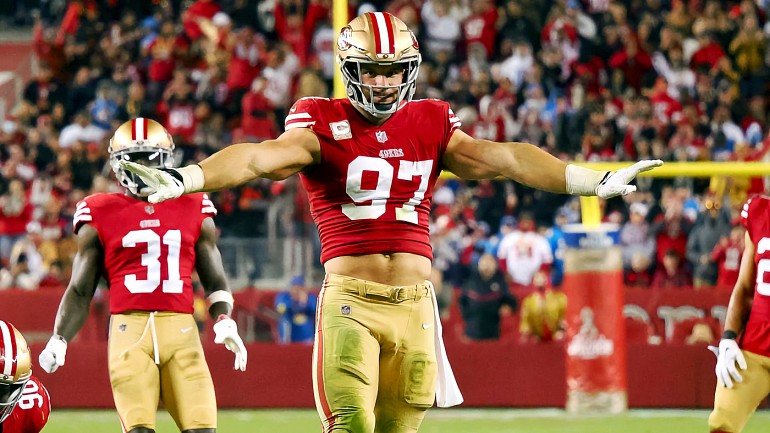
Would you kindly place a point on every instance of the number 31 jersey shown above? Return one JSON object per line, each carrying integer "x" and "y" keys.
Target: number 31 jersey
{"x": 149, "y": 249}
{"x": 372, "y": 190}
{"x": 756, "y": 333}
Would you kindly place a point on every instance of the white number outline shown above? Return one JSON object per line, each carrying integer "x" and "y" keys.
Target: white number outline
{"x": 379, "y": 196}
{"x": 30, "y": 395}
{"x": 151, "y": 261}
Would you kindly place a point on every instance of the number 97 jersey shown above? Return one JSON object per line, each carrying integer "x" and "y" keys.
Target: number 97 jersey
{"x": 149, "y": 249}
{"x": 756, "y": 334}
{"x": 372, "y": 190}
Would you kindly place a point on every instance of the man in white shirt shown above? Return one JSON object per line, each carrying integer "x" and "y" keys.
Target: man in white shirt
{"x": 523, "y": 252}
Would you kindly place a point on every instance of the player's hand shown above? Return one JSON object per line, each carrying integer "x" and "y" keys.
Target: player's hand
{"x": 728, "y": 354}
{"x": 166, "y": 183}
{"x": 226, "y": 332}
{"x": 52, "y": 357}
{"x": 616, "y": 182}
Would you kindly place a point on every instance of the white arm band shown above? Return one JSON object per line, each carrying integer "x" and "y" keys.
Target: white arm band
{"x": 192, "y": 178}
{"x": 221, "y": 296}
{"x": 583, "y": 181}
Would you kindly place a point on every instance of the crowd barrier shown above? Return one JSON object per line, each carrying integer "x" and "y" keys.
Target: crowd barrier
{"x": 490, "y": 374}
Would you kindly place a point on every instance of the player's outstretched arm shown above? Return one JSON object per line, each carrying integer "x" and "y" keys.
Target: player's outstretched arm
{"x": 729, "y": 355}
{"x": 75, "y": 304}
{"x": 208, "y": 263}
{"x": 275, "y": 159}
{"x": 469, "y": 158}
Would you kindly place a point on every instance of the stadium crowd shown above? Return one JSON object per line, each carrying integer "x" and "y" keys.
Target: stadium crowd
{"x": 591, "y": 80}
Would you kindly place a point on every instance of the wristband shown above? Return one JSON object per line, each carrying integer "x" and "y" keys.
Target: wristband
{"x": 729, "y": 335}
{"x": 221, "y": 296}
{"x": 583, "y": 181}
{"x": 192, "y": 178}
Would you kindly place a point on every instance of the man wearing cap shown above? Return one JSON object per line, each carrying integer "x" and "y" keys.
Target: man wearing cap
{"x": 297, "y": 310}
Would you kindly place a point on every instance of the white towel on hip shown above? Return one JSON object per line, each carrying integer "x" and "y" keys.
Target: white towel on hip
{"x": 447, "y": 392}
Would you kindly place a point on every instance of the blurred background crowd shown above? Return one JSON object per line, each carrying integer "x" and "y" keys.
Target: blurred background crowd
{"x": 587, "y": 80}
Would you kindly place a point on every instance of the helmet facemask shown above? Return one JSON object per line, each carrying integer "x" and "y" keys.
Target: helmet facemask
{"x": 362, "y": 94}
{"x": 149, "y": 156}
{"x": 10, "y": 394}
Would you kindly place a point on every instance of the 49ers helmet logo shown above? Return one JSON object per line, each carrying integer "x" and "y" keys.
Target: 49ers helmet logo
{"x": 343, "y": 41}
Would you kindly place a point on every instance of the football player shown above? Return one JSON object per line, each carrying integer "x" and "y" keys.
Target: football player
{"x": 743, "y": 355}
{"x": 24, "y": 401}
{"x": 147, "y": 253}
{"x": 369, "y": 163}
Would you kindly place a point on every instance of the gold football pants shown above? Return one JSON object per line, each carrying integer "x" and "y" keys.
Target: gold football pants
{"x": 374, "y": 364}
{"x": 734, "y": 406}
{"x": 156, "y": 356}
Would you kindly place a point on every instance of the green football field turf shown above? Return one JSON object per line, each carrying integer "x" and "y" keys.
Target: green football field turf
{"x": 438, "y": 421}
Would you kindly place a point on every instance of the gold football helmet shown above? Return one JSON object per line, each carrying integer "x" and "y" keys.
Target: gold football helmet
{"x": 377, "y": 38}
{"x": 143, "y": 141}
{"x": 15, "y": 367}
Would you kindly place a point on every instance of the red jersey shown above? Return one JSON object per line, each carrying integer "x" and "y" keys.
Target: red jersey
{"x": 149, "y": 249}
{"x": 756, "y": 334}
{"x": 31, "y": 412}
{"x": 372, "y": 190}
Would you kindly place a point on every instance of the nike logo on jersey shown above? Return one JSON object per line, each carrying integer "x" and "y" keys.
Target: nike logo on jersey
{"x": 391, "y": 153}
{"x": 426, "y": 325}
{"x": 186, "y": 330}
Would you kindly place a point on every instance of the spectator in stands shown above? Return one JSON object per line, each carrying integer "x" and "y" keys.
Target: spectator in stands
{"x": 635, "y": 235}
{"x": 43, "y": 93}
{"x": 29, "y": 261}
{"x": 712, "y": 224}
{"x": 524, "y": 252}
{"x": 637, "y": 273}
{"x": 81, "y": 129}
{"x": 257, "y": 118}
{"x": 297, "y": 310}
{"x": 555, "y": 236}
{"x": 543, "y": 312}
{"x": 727, "y": 255}
{"x": 673, "y": 274}
{"x": 482, "y": 295}
{"x": 164, "y": 52}
{"x": 15, "y": 213}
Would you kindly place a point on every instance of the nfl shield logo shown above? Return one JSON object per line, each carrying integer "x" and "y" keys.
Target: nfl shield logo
{"x": 381, "y": 136}
{"x": 345, "y": 309}
{"x": 149, "y": 209}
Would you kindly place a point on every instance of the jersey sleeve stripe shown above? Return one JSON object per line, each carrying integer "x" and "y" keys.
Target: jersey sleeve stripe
{"x": 82, "y": 218}
{"x": 84, "y": 211}
{"x": 207, "y": 202}
{"x": 454, "y": 119}
{"x": 296, "y": 116}
{"x": 299, "y": 125}
{"x": 209, "y": 209}
{"x": 81, "y": 204}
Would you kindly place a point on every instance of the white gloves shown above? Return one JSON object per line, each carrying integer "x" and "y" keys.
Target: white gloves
{"x": 52, "y": 357}
{"x": 616, "y": 182}
{"x": 605, "y": 184}
{"x": 728, "y": 353}
{"x": 226, "y": 332}
{"x": 164, "y": 183}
